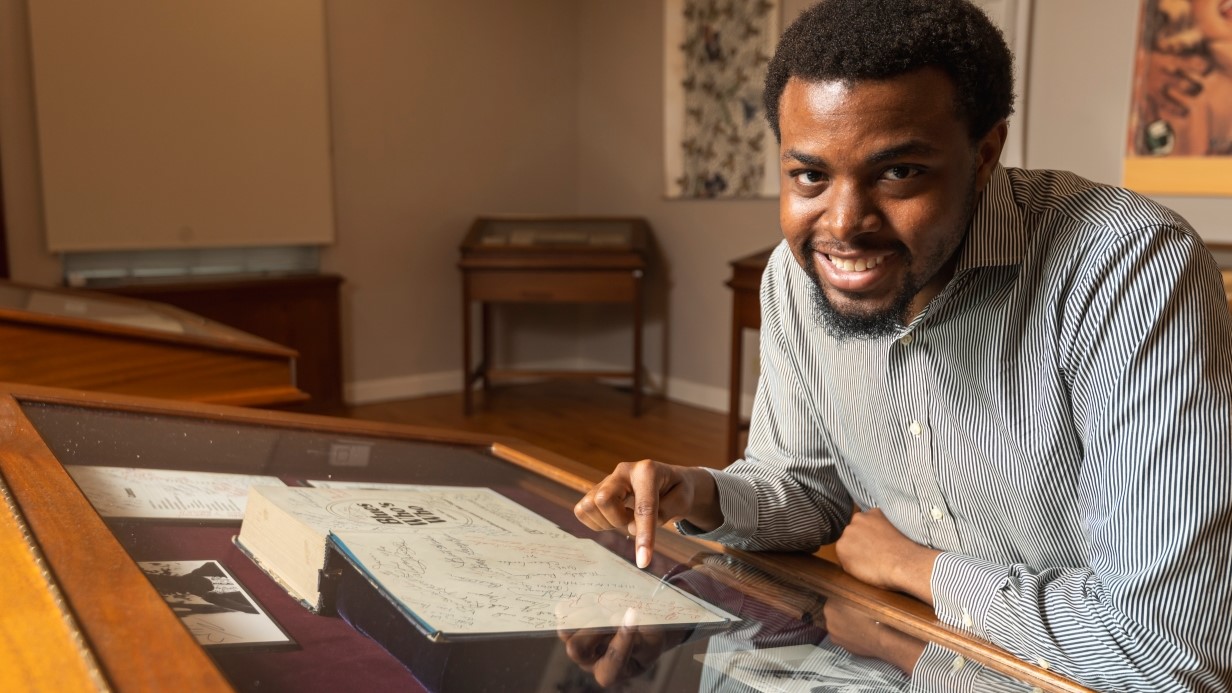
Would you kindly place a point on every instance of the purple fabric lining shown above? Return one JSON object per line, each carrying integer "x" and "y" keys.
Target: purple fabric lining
{"x": 331, "y": 656}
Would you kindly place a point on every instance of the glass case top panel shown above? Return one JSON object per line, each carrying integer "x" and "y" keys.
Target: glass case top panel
{"x": 776, "y": 639}
{"x": 102, "y": 437}
{"x": 554, "y": 233}
{"x": 126, "y": 313}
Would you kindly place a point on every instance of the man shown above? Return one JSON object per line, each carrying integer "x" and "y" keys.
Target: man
{"x": 1022, "y": 379}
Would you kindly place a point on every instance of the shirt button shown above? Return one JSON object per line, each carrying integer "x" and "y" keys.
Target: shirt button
{"x": 915, "y": 428}
{"x": 937, "y": 513}
{"x": 1043, "y": 663}
{"x": 957, "y": 664}
{"x": 966, "y": 619}
{"x": 906, "y": 339}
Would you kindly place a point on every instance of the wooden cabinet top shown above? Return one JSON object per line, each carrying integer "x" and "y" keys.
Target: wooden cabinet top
{"x": 511, "y": 240}
{"x": 747, "y": 270}
{"x": 93, "y": 341}
{"x": 103, "y": 313}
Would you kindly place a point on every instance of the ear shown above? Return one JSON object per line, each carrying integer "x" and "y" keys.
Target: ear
{"x": 988, "y": 153}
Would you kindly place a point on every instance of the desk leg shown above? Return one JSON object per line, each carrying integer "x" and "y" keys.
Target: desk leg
{"x": 466, "y": 350}
{"x": 486, "y": 364}
{"x": 733, "y": 402}
{"x": 637, "y": 343}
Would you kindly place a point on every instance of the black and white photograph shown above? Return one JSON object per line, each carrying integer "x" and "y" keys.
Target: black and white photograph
{"x": 212, "y": 604}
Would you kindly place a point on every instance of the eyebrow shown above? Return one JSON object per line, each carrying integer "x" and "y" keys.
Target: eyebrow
{"x": 908, "y": 148}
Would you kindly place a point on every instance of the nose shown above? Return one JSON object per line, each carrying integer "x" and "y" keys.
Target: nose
{"x": 849, "y": 211}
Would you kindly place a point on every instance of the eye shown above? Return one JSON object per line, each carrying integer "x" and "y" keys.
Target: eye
{"x": 808, "y": 177}
{"x": 901, "y": 172}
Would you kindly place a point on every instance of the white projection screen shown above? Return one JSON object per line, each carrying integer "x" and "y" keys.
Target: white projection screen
{"x": 186, "y": 124}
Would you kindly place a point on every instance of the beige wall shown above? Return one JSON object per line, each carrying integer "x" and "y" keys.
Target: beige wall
{"x": 444, "y": 110}
{"x": 23, "y": 204}
{"x": 1078, "y": 99}
{"x": 621, "y": 160}
{"x": 441, "y": 111}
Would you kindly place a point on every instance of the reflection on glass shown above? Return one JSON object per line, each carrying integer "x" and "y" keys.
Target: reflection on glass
{"x": 779, "y": 644}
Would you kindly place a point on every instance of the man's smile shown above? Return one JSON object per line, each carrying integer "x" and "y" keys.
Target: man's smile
{"x": 854, "y": 272}
{"x": 857, "y": 264}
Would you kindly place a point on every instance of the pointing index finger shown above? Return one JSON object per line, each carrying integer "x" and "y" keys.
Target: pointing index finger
{"x": 645, "y": 507}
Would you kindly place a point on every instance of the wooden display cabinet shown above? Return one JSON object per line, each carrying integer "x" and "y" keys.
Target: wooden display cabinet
{"x": 299, "y": 311}
{"x": 511, "y": 259}
{"x": 91, "y": 341}
{"x": 745, "y": 283}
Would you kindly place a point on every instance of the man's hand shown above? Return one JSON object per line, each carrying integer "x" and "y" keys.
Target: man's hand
{"x": 639, "y": 496}
{"x": 874, "y": 551}
{"x": 613, "y": 658}
{"x": 860, "y": 635}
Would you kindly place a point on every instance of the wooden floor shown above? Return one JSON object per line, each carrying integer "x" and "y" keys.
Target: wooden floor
{"x": 588, "y": 422}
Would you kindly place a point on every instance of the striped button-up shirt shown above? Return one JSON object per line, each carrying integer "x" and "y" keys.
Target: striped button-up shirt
{"x": 1056, "y": 421}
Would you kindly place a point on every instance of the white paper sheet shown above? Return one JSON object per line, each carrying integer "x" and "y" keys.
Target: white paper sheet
{"x": 165, "y": 493}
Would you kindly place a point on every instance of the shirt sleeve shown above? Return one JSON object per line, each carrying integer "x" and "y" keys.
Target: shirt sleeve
{"x": 1145, "y": 339}
{"x": 941, "y": 669}
{"x": 785, "y": 494}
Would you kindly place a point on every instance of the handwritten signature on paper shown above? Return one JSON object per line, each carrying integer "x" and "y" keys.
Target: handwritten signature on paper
{"x": 460, "y": 582}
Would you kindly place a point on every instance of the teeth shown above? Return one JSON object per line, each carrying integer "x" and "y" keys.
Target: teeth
{"x": 857, "y": 265}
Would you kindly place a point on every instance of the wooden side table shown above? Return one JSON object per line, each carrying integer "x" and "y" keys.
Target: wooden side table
{"x": 745, "y": 284}
{"x": 514, "y": 259}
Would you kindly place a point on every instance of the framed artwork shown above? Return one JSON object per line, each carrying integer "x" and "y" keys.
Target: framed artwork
{"x": 717, "y": 143}
{"x": 1180, "y": 122}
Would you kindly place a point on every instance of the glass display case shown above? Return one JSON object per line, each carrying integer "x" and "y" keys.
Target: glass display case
{"x": 80, "y": 339}
{"x": 527, "y": 259}
{"x": 102, "y": 623}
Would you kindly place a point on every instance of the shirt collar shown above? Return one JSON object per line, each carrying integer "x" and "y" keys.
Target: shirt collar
{"x": 997, "y": 235}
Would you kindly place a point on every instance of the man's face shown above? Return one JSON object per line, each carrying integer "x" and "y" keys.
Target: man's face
{"x": 878, "y": 184}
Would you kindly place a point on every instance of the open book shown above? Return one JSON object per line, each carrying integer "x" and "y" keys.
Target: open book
{"x": 455, "y": 562}
{"x": 455, "y": 584}
{"x": 286, "y": 529}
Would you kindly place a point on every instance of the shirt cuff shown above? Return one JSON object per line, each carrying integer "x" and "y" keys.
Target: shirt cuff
{"x": 737, "y": 502}
{"x": 963, "y": 590}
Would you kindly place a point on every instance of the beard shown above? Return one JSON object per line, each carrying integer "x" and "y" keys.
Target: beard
{"x": 876, "y": 323}
{"x": 867, "y": 325}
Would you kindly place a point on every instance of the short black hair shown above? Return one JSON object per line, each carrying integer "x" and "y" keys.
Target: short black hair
{"x": 853, "y": 40}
